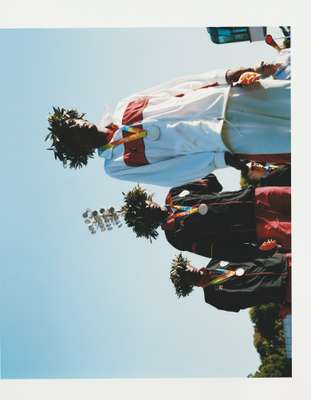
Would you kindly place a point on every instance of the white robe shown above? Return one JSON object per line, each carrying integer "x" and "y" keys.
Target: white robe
{"x": 284, "y": 72}
{"x": 185, "y": 125}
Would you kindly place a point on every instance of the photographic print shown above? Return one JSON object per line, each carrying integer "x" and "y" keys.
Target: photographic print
{"x": 147, "y": 211}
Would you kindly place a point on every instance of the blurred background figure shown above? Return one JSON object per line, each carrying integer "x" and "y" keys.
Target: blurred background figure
{"x": 265, "y": 175}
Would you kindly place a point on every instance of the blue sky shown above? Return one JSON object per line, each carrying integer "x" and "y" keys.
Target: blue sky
{"x": 75, "y": 305}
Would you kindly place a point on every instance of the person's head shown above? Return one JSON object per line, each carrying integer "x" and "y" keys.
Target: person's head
{"x": 74, "y": 138}
{"x": 184, "y": 276}
{"x": 253, "y": 175}
{"x": 142, "y": 214}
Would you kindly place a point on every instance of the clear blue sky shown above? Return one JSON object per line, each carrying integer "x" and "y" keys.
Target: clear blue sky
{"x": 75, "y": 305}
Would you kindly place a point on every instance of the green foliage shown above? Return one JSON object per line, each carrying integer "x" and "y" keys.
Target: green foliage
{"x": 135, "y": 215}
{"x": 269, "y": 341}
{"x": 63, "y": 137}
{"x": 179, "y": 266}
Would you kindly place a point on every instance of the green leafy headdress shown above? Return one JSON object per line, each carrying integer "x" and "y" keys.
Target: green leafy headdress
{"x": 178, "y": 268}
{"x": 66, "y": 144}
{"x": 143, "y": 221}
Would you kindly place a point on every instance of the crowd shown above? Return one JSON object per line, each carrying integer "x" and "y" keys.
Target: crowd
{"x": 176, "y": 134}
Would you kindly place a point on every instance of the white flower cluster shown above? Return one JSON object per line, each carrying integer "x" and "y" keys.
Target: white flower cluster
{"x": 102, "y": 219}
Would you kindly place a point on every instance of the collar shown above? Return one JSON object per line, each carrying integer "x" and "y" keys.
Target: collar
{"x": 107, "y": 153}
{"x": 169, "y": 223}
{"x": 112, "y": 130}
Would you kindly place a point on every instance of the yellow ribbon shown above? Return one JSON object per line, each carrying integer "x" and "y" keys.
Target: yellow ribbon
{"x": 137, "y": 133}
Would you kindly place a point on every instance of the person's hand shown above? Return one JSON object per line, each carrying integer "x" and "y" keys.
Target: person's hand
{"x": 266, "y": 70}
{"x": 248, "y": 78}
{"x": 269, "y": 248}
{"x": 268, "y": 245}
{"x": 256, "y": 171}
{"x": 233, "y": 75}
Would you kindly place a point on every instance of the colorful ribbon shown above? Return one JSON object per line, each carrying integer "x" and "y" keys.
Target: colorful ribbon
{"x": 222, "y": 278}
{"x": 228, "y": 274}
{"x": 187, "y": 210}
{"x": 137, "y": 133}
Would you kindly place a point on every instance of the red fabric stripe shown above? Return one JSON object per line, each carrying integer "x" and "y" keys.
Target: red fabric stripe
{"x": 169, "y": 224}
{"x": 169, "y": 199}
{"x": 111, "y": 129}
{"x": 273, "y": 220}
{"x": 134, "y": 152}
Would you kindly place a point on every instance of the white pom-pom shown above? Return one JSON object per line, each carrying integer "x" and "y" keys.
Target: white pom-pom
{"x": 202, "y": 209}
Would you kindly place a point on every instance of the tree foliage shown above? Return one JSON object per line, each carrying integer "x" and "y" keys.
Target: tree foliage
{"x": 269, "y": 342}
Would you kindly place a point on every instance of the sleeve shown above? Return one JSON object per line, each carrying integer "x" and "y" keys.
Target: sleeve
{"x": 172, "y": 172}
{"x": 231, "y": 298}
{"x": 222, "y": 300}
{"x": 208, "y": 184}
{"x": 181, "y": 85}
{"x": 228, "y": 251}
{"x": 213, "y": 184}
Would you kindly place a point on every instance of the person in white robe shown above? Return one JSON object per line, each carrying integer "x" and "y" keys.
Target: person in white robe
{"x": 184, "y": 129}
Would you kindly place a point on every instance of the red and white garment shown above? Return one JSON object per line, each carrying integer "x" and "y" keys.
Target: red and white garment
{"x": 184, "y": 119}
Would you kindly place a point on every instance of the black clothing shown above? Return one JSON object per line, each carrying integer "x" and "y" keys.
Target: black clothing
{"x": 280, "y": 176}
{"x": 208, "y": 184}
{"x": 233, "y": 161}
{"x": 245, "y": 291}
{"x": 227, "y": 231}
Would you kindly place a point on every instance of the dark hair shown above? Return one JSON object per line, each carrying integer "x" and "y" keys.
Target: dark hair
{"x": 67, "y": 138}
{"x": 246, "y": 181}
{"x": 178, "y": 268}
{"x": 137, "y": 215}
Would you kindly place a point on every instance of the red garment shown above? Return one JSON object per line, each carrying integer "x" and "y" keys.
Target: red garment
{"x": 134, "y": 152}
{"x": 273, "y": 215}
{"x": 110, "y": 131}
